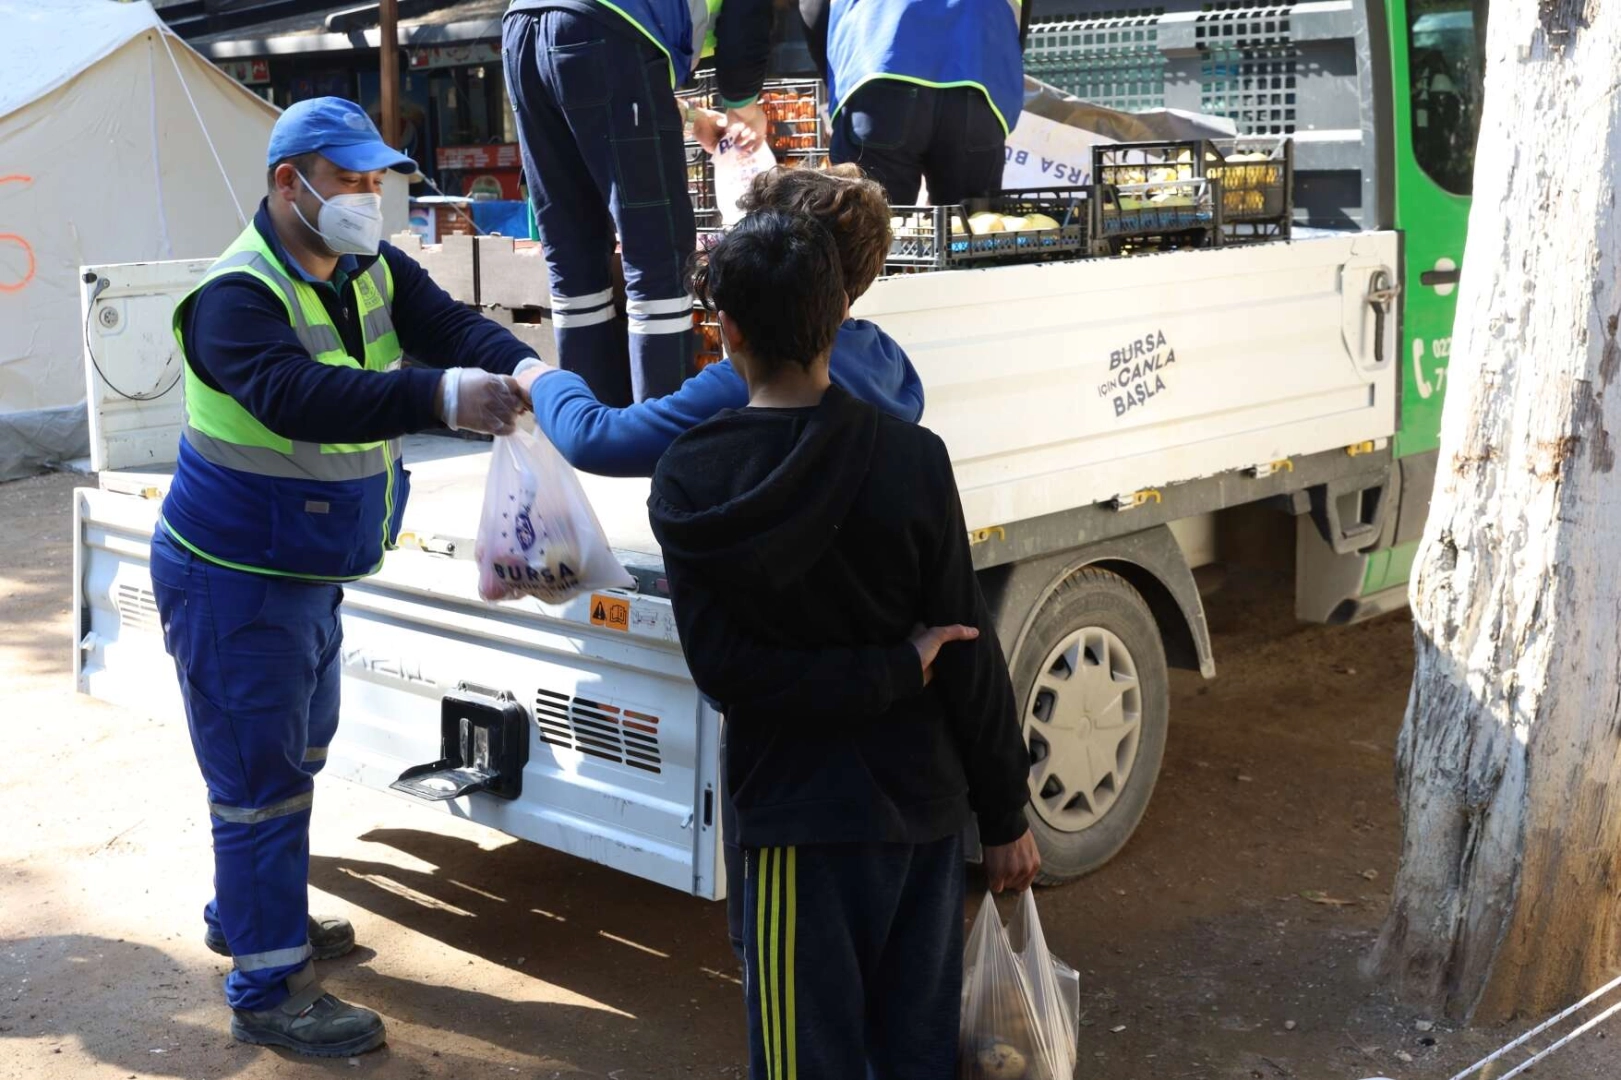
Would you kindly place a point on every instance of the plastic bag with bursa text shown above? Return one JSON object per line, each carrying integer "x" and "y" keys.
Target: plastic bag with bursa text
{"x": 537, "y": 535}
{"x": 1017, "y": 1018}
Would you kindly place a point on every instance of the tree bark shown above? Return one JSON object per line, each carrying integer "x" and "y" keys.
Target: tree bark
{"x": 1508, "y": 770}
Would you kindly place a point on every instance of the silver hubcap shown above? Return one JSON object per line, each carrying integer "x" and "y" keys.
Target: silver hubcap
{"x": 1083, "y": 727}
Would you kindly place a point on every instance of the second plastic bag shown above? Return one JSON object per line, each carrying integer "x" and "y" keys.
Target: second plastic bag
{"x": 538, "y": 535}
{"x": 1020, "y": 1009}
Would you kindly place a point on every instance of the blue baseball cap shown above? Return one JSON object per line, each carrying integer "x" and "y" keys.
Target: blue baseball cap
{"x": 338, "y": 130}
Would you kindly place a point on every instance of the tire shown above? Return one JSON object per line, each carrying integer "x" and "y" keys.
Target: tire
{"x": 1082, "y": 810}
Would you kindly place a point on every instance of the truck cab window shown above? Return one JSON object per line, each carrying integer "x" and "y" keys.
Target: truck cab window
{"x": 1446, "y": 61}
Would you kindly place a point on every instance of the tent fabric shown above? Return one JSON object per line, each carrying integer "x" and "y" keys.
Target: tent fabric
{"x": 102, "y": 161}
{"x": 48, "y": 42}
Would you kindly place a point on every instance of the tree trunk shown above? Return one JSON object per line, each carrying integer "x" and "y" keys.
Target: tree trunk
{"x": 1508, "y": 766}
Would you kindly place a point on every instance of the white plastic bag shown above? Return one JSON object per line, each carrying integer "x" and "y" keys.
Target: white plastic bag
{"x": 538, "y": 535}
{"x": 735, "y": 171}
{"x": 1011, "y": 1029}
{"x": 1055, "y": 987}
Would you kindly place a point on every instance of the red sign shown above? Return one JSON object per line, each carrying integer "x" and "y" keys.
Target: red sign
{"x": 501, "y": 156}
{"x": 248, "y": 72}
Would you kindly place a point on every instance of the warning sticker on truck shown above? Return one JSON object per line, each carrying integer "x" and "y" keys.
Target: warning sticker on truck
{"x": 612, "y": 612}
{"x": 1137, "y": 372}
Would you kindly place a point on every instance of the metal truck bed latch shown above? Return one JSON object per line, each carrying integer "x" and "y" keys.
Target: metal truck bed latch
{"x": 484, "y": 746}
{"x": 1382, "y": 293}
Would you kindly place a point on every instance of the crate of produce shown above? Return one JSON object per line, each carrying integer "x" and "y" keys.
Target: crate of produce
{"x": 1257, "y": 184}
{"x": 1247, "y": 182}
{"x": 794, "y": 117}
{"x": 1156, "y": 215}
{"x": 706, "y": 347}
{"x": 1153, "y": 196}
{"x": 1012, "y": 226}
{"x": 701, "y": 186}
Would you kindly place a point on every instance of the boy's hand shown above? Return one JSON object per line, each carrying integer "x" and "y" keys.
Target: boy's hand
{"x": 929, "y": 640}
{"x": 1012, "y": 867}
{"x": 526, "y": 378}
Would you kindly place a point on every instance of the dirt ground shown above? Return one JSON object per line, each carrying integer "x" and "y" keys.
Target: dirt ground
{"x": 1201, "y": 957}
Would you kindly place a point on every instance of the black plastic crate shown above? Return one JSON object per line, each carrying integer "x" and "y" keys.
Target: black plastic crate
{"x": 1158, "y": 215}
{"x": 701, "y": 187}
{"x": 794, "y": 111}
{"x": 940, "y": 237}
{"x": 1194, "y": 191}
{"x": 1154, "y": 195}
{"x": 1257, "y": 184}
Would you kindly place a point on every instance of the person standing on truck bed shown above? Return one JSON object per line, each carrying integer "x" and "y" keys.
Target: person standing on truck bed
{"x": 921, "y": 90}
{"x": 808, "y": 540}
{"x": 289, "y": 483}
{"x": 592, "y": 83}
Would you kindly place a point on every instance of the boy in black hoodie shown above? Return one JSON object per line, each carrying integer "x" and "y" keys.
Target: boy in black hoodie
{"x": 808, "y": 540}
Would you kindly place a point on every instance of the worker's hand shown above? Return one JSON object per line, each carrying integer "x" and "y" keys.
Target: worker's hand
{"x": 472, "y": 399}
{"x": 1012, "y": 867}
{"x": 746, "y": 127}
{"x": 928, "y": 640}
{"x": 707, "y": 128}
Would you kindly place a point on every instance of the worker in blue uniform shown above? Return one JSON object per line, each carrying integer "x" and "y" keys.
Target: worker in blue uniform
{"x": 290, "y": 483}
{"x": 921, "y": 90}
{"x": 592, "y": 84}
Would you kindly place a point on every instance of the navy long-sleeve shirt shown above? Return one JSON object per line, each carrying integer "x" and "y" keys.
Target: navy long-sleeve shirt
{"x": 239, "y": 341}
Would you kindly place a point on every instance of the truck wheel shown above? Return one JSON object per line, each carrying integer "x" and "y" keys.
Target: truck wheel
{"x": 1091, "y": 679}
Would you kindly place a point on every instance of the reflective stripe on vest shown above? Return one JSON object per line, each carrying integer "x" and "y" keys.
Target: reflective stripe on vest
{"x": 305, "y": 462}
{"x": 705, "y": 13}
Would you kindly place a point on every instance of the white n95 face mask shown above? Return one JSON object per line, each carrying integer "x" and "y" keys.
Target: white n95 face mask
{"x": 348, "y": 224}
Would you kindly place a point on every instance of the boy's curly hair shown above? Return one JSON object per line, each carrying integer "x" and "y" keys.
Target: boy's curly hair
{"x": 845, "y": 202}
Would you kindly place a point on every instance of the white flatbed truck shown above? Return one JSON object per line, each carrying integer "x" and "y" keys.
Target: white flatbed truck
{"x": 1115, "y": 424}
{"x": 1254, "y": 373}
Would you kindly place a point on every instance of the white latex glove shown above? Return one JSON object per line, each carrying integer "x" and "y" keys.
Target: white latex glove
{"x": 472, "y": 399}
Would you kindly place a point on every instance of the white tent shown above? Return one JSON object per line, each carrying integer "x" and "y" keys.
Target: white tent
{"x": 118, "y": 143}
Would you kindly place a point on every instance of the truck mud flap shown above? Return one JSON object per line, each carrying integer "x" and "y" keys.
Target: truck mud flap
{"x": 484, "y": 746}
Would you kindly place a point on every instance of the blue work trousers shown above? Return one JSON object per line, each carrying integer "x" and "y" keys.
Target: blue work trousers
{"x": 258, "y": 661}
{"x": 602, "y": 150}
{"x": 902, "y": 134}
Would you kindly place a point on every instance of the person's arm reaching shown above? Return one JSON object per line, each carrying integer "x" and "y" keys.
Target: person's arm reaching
{"x": 238, "y": 335}
{"x": 596, "y": 438}
{"x": 972, "y": 677}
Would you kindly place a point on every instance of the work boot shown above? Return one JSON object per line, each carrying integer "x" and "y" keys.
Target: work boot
{"x": 311, "y": 1022}
{"x": 330, "y": 938}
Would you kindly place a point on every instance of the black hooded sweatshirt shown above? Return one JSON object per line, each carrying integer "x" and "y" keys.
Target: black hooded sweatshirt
{"x": 802, "y": 547}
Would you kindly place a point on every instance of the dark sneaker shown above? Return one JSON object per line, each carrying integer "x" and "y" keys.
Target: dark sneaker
{"x": 311, "y": 1022}
{"x": 330, "y": 938}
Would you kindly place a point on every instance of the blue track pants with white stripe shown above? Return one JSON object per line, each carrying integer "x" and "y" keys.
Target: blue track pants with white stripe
{"x": 258, "y": 661}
